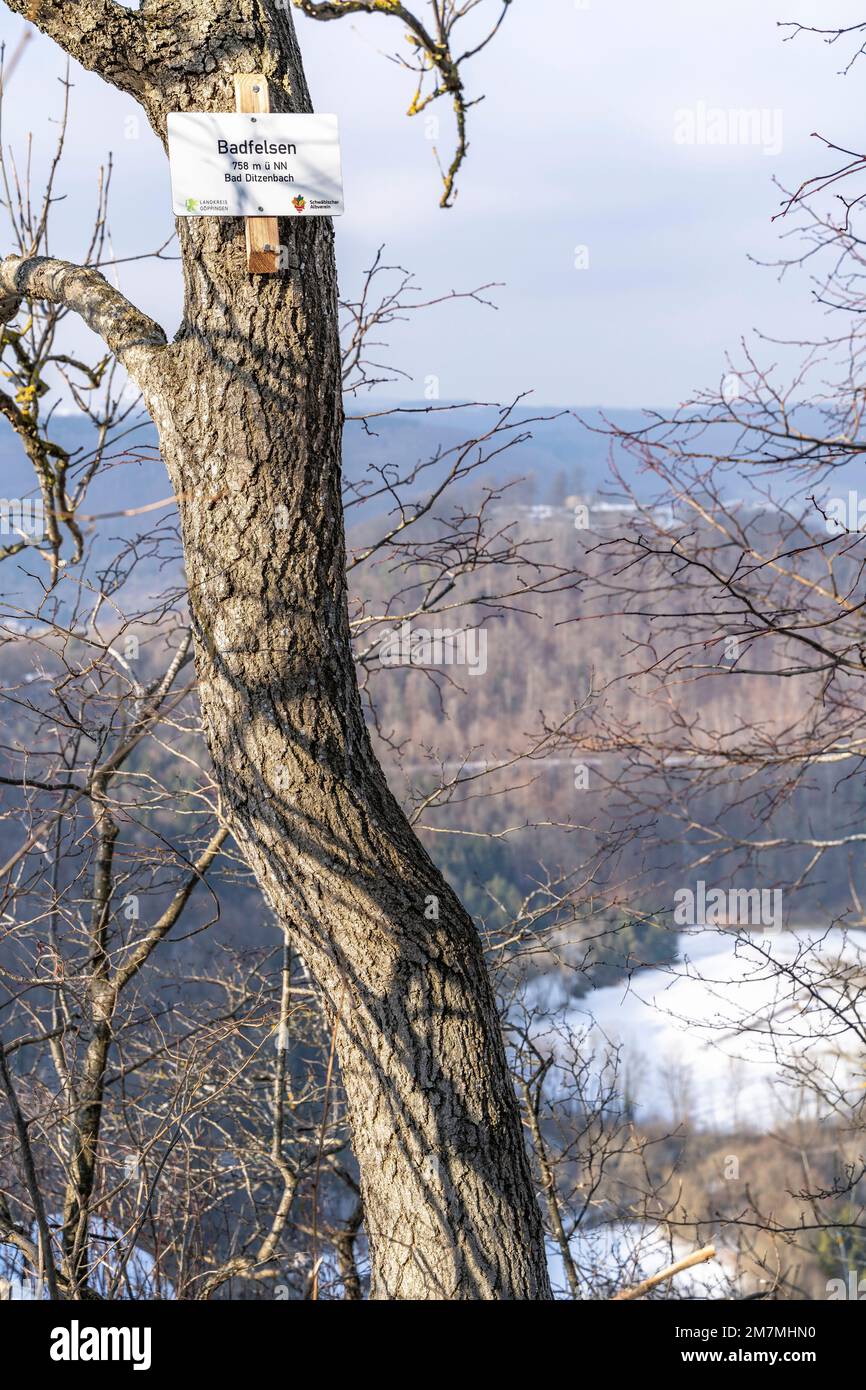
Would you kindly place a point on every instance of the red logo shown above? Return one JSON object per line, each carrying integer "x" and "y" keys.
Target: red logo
{"x": 299, "y": 203}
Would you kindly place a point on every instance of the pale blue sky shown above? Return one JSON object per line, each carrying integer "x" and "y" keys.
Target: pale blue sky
{"x": 574, "y": 145}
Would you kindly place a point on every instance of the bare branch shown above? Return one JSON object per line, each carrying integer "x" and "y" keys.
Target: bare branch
{"x": 129, "y": 333}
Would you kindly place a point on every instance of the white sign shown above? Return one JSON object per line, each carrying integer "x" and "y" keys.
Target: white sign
{"x": 270, "y": 164}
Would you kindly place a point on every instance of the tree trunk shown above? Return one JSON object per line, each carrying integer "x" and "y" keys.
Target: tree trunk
{"x": 247, "y": 402}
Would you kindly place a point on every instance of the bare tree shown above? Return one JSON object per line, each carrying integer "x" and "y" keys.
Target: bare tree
{"x": 248, "y": 408}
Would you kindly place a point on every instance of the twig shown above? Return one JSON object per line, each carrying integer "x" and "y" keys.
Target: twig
{"x": 699, "y": 1257}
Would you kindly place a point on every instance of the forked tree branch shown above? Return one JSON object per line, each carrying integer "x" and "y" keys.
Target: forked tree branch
{"x": 130, "y": 334}
{"x": 435, "y": 57}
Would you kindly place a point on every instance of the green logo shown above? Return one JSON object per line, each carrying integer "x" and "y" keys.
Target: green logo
{"x": 192, "y": 204}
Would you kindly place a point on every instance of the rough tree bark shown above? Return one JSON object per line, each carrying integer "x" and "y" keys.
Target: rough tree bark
{"x": 248, "y": 407}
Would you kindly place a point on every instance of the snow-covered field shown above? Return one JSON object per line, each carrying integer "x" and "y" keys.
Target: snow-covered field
{"x": 716, "y": 1036}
